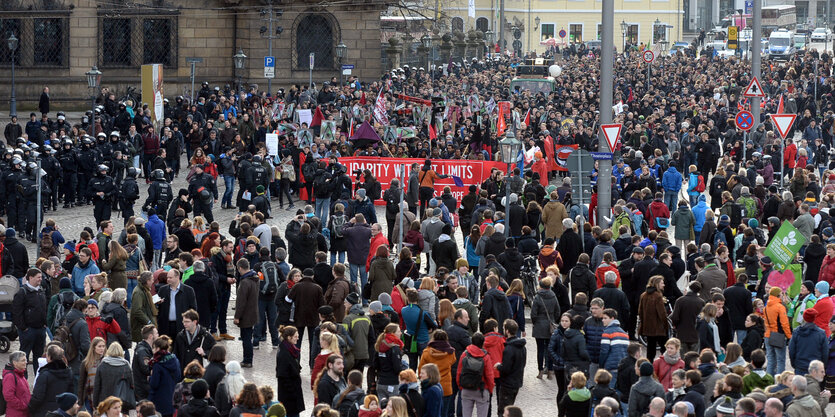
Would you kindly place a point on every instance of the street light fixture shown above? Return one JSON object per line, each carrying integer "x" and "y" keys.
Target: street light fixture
{"x": 623, "y": 28}
{"x": 655, "y": 29}
{"x": 12, "y": 43}
{"x": 537, "y": 20}
{"x": 93, "y": 83}
{"x": 426, "y": 41}
{"x": 240, "y": 65}
{"x": 510, "y": 147}
{"x": 341, "y": 49}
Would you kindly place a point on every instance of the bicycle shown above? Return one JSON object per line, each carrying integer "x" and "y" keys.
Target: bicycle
{"x": 131, "y": 95}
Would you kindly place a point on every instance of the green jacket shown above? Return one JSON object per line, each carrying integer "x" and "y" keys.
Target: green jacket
{"x": 52, "y": 309}
{"x": 359, "y": 327}
{"x": 142, "y": 312}
{"x": 622, "y": 220}
{"x": 684, "y": 221}
{"x": 796, "y": 308}
{"x": 754, "y": 380}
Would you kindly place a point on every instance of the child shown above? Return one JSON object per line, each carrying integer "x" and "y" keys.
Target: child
{"x": 271, "y": 408}
{"x": 370, "y": 407}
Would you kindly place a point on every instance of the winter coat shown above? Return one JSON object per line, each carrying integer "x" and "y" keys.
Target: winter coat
{"x": 808, "y": 343}
{"x": 804, "y": 406}
{"x": 512, "y": 261}
{"x": 581, "y": 279}
{"x": 685, "y": 312}
{"x": 197, "y": 407}
{"x": 575, "y": 356}
{"x": 593, "y": 330}
{"x": 142, "y": 353}
{"x": 109, "y": 374}
{"x": 187, "y": 352}
{"x": 653, "y": 314}
{"x": 613, "y": 298}
{"x": 512, "y": 367}
{"x": 569, "y": 247}
{"x": 664, "y": 370}
{"x": 358, "y": 237}
{"x": 641, "y": 394}
{"x": 753, "y": 340}
{"x": 185, "y": 300}
{"x": 684, "y": 222}
{"x": 494, "y": 306}
{"x": 164, "y": 375}
{"x": 443, "y": 355}
{"x": 553, "y": 214}
{"x": 489, "y": 371}
{"x": 141, "y": 312}
{"x": 576, "y": 402}
{"x": 288, "y": 373}
{"x": 116, "y": 276}
{"x": 53, "y": 379}
{"x": 16, "y": 392}
{"x": 381, "y": 276}
{"x": 827, "y": 271}
{"x": 711, "y": 277}
{"x": 120, "y": 316}
{"x": 613, "y": 346}
{"x": 246, "y": 302}
{"x": 544, "y": 310}
{"x": 774, "y": 316}
{"x": 337, "y": 291}
{"x": 432, "y": 399}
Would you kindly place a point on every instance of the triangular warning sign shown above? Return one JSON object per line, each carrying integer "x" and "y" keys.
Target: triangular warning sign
{"x": 754, "y": 89}
{"x": 783, "y": 122}
{"x": 611, "y": 133}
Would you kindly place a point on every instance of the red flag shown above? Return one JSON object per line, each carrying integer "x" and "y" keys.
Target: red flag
{"x": 631, "y": 97}
{"x": 318, "y": 117}
{"x": 780, "y": 105}
{"x": 501, "y": 126}
{"x": 362, "y": 99}
{"x": 432, "y": 133}
{"x": 351, "y": 129}
{"x": 528, "y": 118}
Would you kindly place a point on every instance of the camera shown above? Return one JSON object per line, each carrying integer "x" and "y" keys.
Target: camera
{"x": 357, "y": 173}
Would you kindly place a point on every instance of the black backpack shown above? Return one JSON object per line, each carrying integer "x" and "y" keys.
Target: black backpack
{"x": 391, "y": 202}
{"x": 309, "y": 171}
{"x": 472, "y": 372}
{"x": 62, "y": 307}
{"x": 338, "y": 224}
{"x": 271, "y": 278}
{"x": 130, "y": 191}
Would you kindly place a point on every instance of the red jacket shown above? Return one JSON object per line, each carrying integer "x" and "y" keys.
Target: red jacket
{"x": 398, "y": 302}
{"x": 657, "y": 209}
{"x": 376, "y": 241}
{"x": 98, "y": 327}
{"x": 488, "y": 375}
{"x": 790, "y": 155}
{"x": 600, "y": 273}
{"x": 664, "y": 371}
{"x": 825, "y": 308}
{"x": 827, "y": 272}
{"x": 494, "y": 345}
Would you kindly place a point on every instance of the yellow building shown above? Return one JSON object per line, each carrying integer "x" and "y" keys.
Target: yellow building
{"x": 636, "y": 21}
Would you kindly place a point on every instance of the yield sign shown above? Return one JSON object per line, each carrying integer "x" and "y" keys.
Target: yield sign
{"x": 754, "y": 89}
{"x": 611, "y": 133}
{"x": 783, "y": 122}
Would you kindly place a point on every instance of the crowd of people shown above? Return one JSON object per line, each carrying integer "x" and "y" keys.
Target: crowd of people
{"x": 421, "y": 322}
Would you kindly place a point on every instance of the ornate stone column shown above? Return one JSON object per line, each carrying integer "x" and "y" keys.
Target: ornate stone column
{"x": 393, "y": 52}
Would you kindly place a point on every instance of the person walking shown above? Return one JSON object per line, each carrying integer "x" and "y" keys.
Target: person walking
{"x": 246, "y": 308}
{"x": 29, "y": 308}
{"x": 512, "y": 367}
{"x": 165, "y": 373}
{"x": 177, "y": 298}
{"x": 653, "y": 316}
{"x": 776, "y": 324}
{"x": 114, "y": 378}
{"x": 288, "y": 372}
{"x": 15, "y": 388}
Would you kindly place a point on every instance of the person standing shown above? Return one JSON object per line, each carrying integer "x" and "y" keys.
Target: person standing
{"x": 53, "y": 379}
{"x": 246, "y": 307}
{"x": 426, "y": 181}
{"x": 15, "y": 388}
{"x": 512, "y": 366}
{"x": 307, "y": 297}
{"x": 177, "y": 298}
{"x": 288, "y": 372}
{"x": 43, "y": 102}
{"x": 29, "y": 309}
{"x": 193, "y": 342}
{"x": 141, "y": 368}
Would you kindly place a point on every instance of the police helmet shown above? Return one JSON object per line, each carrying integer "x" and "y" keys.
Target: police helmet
{"x": 25, "y": 148}
{"x": 87, "y": 141}
{"x": 115, "y": 133}
{"x": 17, "y": 161}
{"x": 131, "y": 172}
{"x": 101, "y": 135}
{"x": 31, "y": 166}
{"x": 33, "y": 145}
{"x": 18, "y": 152}
{"x": 19, "y": 141}
{"x": 67, "y": 142}
{"x": 102, "y": 167}
{"x": 256, "y": 158}
{"x": 157, "y": 174}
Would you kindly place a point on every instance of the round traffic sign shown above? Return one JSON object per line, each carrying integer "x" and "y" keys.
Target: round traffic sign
{"x": 744, "y": 120}
{"x": 648, "y": 56}
{"x": 562, "y": 33}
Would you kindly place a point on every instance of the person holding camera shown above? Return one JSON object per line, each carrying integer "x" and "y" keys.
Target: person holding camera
{"x": 98, "y": 326}
{"x": 426, "y": 179}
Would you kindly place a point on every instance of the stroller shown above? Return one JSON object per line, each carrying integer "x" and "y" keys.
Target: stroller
{"x": 9, "y": 286}
{"x": 530, "y": 276}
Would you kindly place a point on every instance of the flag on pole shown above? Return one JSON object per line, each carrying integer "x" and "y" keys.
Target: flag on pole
{"x": 380, "y": 110}
{"x": 471, "y": 9}
{"x": 780, "y": 105}
{"x": 351, "y": 129}
{"x": 318, "y": 117}
{"x": 458, "y": 181}
{"x": 528, "y": 118}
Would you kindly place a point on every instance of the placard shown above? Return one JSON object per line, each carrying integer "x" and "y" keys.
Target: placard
{"x": 272, "y": 144}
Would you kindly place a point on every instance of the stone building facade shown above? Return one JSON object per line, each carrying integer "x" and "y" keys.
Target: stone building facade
{"x": 60, "y": 40}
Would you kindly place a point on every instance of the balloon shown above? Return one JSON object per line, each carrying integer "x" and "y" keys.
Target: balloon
{"x": 555, "y": 70}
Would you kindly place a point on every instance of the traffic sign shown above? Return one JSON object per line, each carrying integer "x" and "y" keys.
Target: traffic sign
{"x": 269, "y": 67}
{"x": 744, "y": 120}
{"x": 648, "y": 56}
{"x": 601, "y": 156}
{"x": 312, "y": 59}
{"x": 754, "y": 89}
{"x": 783, "y": 123}
{"x": 611, "y": 133}
{"x": 562, "y": 33}
{"x": 733, "y": 37}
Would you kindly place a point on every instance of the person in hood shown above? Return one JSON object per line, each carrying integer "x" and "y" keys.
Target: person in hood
{"x": 642, "y": 393}
{"x": 671, "y": 183}
{"x": 512, "y": 367}
{"x": 577, "y": 401}
{"x": 165, "y": 373}
{"x": 442, "y": 354}
{"x": 53, "y": 379}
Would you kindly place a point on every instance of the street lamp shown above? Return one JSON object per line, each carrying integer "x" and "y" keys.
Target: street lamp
{"x": 13, "y": 41}
{"x": 488, "y": 36}
{"x": 93, "y": 83}
{"x": 623, "y": 28}
{"x": 655, "y": 29}
{"x": 341, "y": 49}
{"x": 537, "y": 20}
{"x": 426, "y": 41}
{"x": 240, "y": 64}
{"x": 510, "y": 147}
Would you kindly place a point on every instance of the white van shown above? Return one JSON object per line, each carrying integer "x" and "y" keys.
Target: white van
{"x": 781, "y": 45}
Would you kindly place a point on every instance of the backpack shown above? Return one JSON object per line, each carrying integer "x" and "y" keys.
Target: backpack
{"x": 309, "y": 171}
{"x": 391, "y": 202}
{"x": 62, "y": 307}
{"x": 130, "y": 190}
{"x": 719, "y": 238}
{"x": 749, "y": 207}
{"x": 63, "y": 334}
{"x": 338, "y": 224}
{"x": 271, "y": 279}
{"x": 320, "y": 184}
{"x": 736, "y": 214}
{"x": 240, "y": 248}
{"x": 205, "y": 195}
{"x": 48, "y": 246}
{"x": 472, "y": 372}
{"x": 700, "y": 184}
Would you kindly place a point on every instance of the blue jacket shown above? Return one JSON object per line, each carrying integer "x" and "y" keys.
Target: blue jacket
{"x": 699, "y": 213}
{"x": 57, "y": 237}
{"x": 79, "y": 273}
{"x": 693, "y": 181}
{"x": 156, "y": 228}
{"x": 433, "y": 400}
{"x": 554, "y": 345}
{"x": 808, "y": 343}
{"x": 672, "y": 180}
{"x": 165, "y": 374}
{"x": 593, "y": 329}
{"x": 409, "y": 315}
{"x": 613, "y": 346}
{"x": 366, "y": 207}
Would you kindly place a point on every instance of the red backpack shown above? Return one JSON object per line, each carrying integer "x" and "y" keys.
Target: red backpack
{"x": 700, "y": 185}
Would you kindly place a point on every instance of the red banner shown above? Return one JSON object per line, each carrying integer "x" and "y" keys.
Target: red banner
{"x": 387, "y": 169}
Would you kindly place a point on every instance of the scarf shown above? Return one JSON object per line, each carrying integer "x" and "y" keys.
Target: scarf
{"x": 159, "y": 356}
{"x": 294, "y": 351}
{"x": 442, "y": 345}
{"x": 670, "y": 359}
{"x": 290, "y": 283}
{"x": 677, "y": 392}
{"x": 393, "y": 340}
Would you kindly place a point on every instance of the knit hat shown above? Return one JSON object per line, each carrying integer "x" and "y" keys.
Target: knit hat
{"x": 408, "y": 282}
{"x": 810, "y": 286}
{"x": 65, "y": 284}
{"x": 375, "y": 306}
{"x": 726, "y": 406}
{"x": 758, "y": 396}
{"x": 646, "y": 369}
{"x": 436, "y": 212}
{"x": 308, "y": 272}
{"x": 384, "y": 299}
{"x": 753, "y": 223}
{"x": 433, "y": 203}
{"x": 461, "y": 262}
{"x": 724, "y": 220}
{"x": 827, "y": 231}
{"x": 353, "y": 298}
{"x": 66, "y": 400}
{"x": 765, "y": 260}
{"x": 93, "y": 302}
{"x": 325, "y": 310}
{"x": 10, "y": 232}
{"x": 776, "y": 291}
{"x": 199, "y": 388}
{"x": 259, "y": 189}
{"x": 361, "y": 193}
{"x": 822, "y": 287}
{"x": 809, "y": 315}
{"x": 637, "y": 249}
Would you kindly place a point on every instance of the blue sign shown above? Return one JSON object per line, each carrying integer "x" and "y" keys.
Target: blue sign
{"x": 347, "y": 66}
{"x": 601, "y": 156}
{"x": 749, "y": 5}
{"x": 562, "y": 33}
{"x": 269, "y": 61}
{"x": 744, "y": 120}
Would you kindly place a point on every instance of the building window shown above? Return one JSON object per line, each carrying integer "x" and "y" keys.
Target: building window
{"x": 156, "y": 35}
{"x": 599, "y": 32}
{"x": 315, "y": 33}
{"x": 7, "y": 28}
{"x": 547, "y": 31}
{"x": 482, "y": 24}
{"x": 632, "y": 34}
{"x": 659, "y": 32}
{"x": 116, "y": 42}
{"x": 48, "y": 39}
{"x": 457, "y": 24}
{"x": 575, "y": 33}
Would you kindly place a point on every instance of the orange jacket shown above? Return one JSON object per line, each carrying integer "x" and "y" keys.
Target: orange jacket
{"x": 775, "y": 312}
{"x": 444, "y": 360}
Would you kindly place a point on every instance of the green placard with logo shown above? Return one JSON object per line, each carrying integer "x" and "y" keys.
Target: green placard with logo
{"x": 784, "y": 246}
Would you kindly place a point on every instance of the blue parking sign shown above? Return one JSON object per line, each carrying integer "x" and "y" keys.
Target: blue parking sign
{"x": 269, "y": 61}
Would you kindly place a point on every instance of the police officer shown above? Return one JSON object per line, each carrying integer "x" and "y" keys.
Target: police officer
{"x": 257, "y": 175}
{"x": 11, "y": 179}
{"x": 52, "y": 168}
{"x": 202, "y": 191}
{"x": 5, "y": 166}
{"x": 68, "y": 158}
{"x": 101, "y": 191}
{"x": 128, "y": 193}
{"x": 159, "y": 194}
{"x": 87, "y": 161}
{"x": 27, "y": 190}
{"x": 244, "y": 168}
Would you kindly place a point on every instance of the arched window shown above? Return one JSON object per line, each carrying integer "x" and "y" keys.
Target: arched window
{"x": 316, "y": 33}
{"x": 482, "y": 24}
{"x": 457, "y": 24}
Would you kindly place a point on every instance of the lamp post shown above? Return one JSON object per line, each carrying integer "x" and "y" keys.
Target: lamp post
{"x": 93, "y": 83}
{"x": 426, "y": 41}
{"x": 240, "y": 64}
{"x": 488, "y": 36}
{"x": 510, "y": 151}
{"x": 341, "y": 49}
{"x": 655, "y": 29}
{"x": 12, "y": 43}
{"x": 623, "y": 28}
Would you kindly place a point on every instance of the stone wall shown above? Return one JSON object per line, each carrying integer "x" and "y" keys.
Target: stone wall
{"x": 210, "y": 29}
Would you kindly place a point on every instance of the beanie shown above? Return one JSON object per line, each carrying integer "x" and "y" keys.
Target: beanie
{"x": 353, "y": 298}
{"x": 384, "y": 299}
{"x": 810, "y": 286}
{"x": 92, "y": 302}
{"x": 809, "y": 315}
{"x": 65, "y": 284}
{"x": 375, "y": 306}
{"x": 325, "y": 310}
{"x": 822, "y": 287}
{"x": 66, "y": 400}
{"x": 199, "y": 388}
{"x": 775, "y": 291}
{"x": 646, "y": 369}
{"x": 461, "y": 262}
